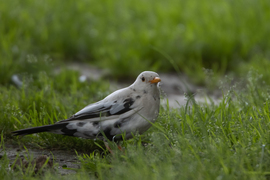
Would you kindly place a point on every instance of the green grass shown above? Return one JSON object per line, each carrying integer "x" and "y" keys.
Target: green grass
{"x": 127, "y": 37}
{"x": 225, "y": 141}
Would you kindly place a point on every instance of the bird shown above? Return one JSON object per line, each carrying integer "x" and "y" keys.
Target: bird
{"x": 129, "y": 110}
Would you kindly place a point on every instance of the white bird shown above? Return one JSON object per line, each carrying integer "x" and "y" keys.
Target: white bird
{"x": 129, "y": 110}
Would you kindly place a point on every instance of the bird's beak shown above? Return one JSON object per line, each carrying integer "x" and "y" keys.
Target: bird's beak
{"x": 155, "y": 80}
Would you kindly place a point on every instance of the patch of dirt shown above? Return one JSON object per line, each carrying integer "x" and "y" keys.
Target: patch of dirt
{"x": 174, "y": 88}
{"x": 63, "y": 159}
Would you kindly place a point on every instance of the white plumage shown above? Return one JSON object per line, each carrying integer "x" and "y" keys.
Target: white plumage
{"x": 127, "y": 110}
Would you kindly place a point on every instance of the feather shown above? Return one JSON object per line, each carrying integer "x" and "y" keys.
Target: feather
{"x": 39, "y": 129}
{"x": 100, "y": 109}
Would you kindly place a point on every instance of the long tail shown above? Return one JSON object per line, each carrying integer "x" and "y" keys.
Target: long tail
{"x": 47, "y": 128}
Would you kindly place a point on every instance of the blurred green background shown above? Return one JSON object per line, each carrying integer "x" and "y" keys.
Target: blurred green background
{"x": 127, "y": 37}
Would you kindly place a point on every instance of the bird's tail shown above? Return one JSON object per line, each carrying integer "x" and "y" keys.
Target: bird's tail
{"x": 47, "y": 128}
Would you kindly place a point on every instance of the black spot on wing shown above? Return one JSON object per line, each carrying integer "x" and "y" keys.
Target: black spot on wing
{"x": 127, "y": 103}
{"x": 144, "y": 91}
{"x": 138, "y": 97}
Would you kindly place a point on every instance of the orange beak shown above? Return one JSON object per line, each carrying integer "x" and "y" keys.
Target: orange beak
{"x": 155, "y": 80}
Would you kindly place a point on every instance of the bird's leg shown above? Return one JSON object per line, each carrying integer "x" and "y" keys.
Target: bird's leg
{"x": 119, "y": 147}
{"x": 108, "y": 147}
{"x": 110, "y": 150}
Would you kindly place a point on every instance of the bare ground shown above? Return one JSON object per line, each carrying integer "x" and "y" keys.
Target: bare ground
{"x": 61, "y": 159}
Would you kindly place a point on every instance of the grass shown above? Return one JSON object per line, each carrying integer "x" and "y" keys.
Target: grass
{"x": 201, "y": 141}
{"x": 128, "y": 37}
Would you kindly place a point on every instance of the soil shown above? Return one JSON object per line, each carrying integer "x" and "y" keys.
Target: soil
{"x": 61, "y": 159}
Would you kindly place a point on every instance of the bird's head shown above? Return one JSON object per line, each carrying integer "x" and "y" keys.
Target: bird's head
{"x": 147, "y": 79}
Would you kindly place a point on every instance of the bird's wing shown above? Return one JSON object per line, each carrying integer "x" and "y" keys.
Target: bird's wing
{"x": 103, "y": 109}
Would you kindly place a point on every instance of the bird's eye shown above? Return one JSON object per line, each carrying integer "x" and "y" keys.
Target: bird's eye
{"x": 143, "y": 79}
